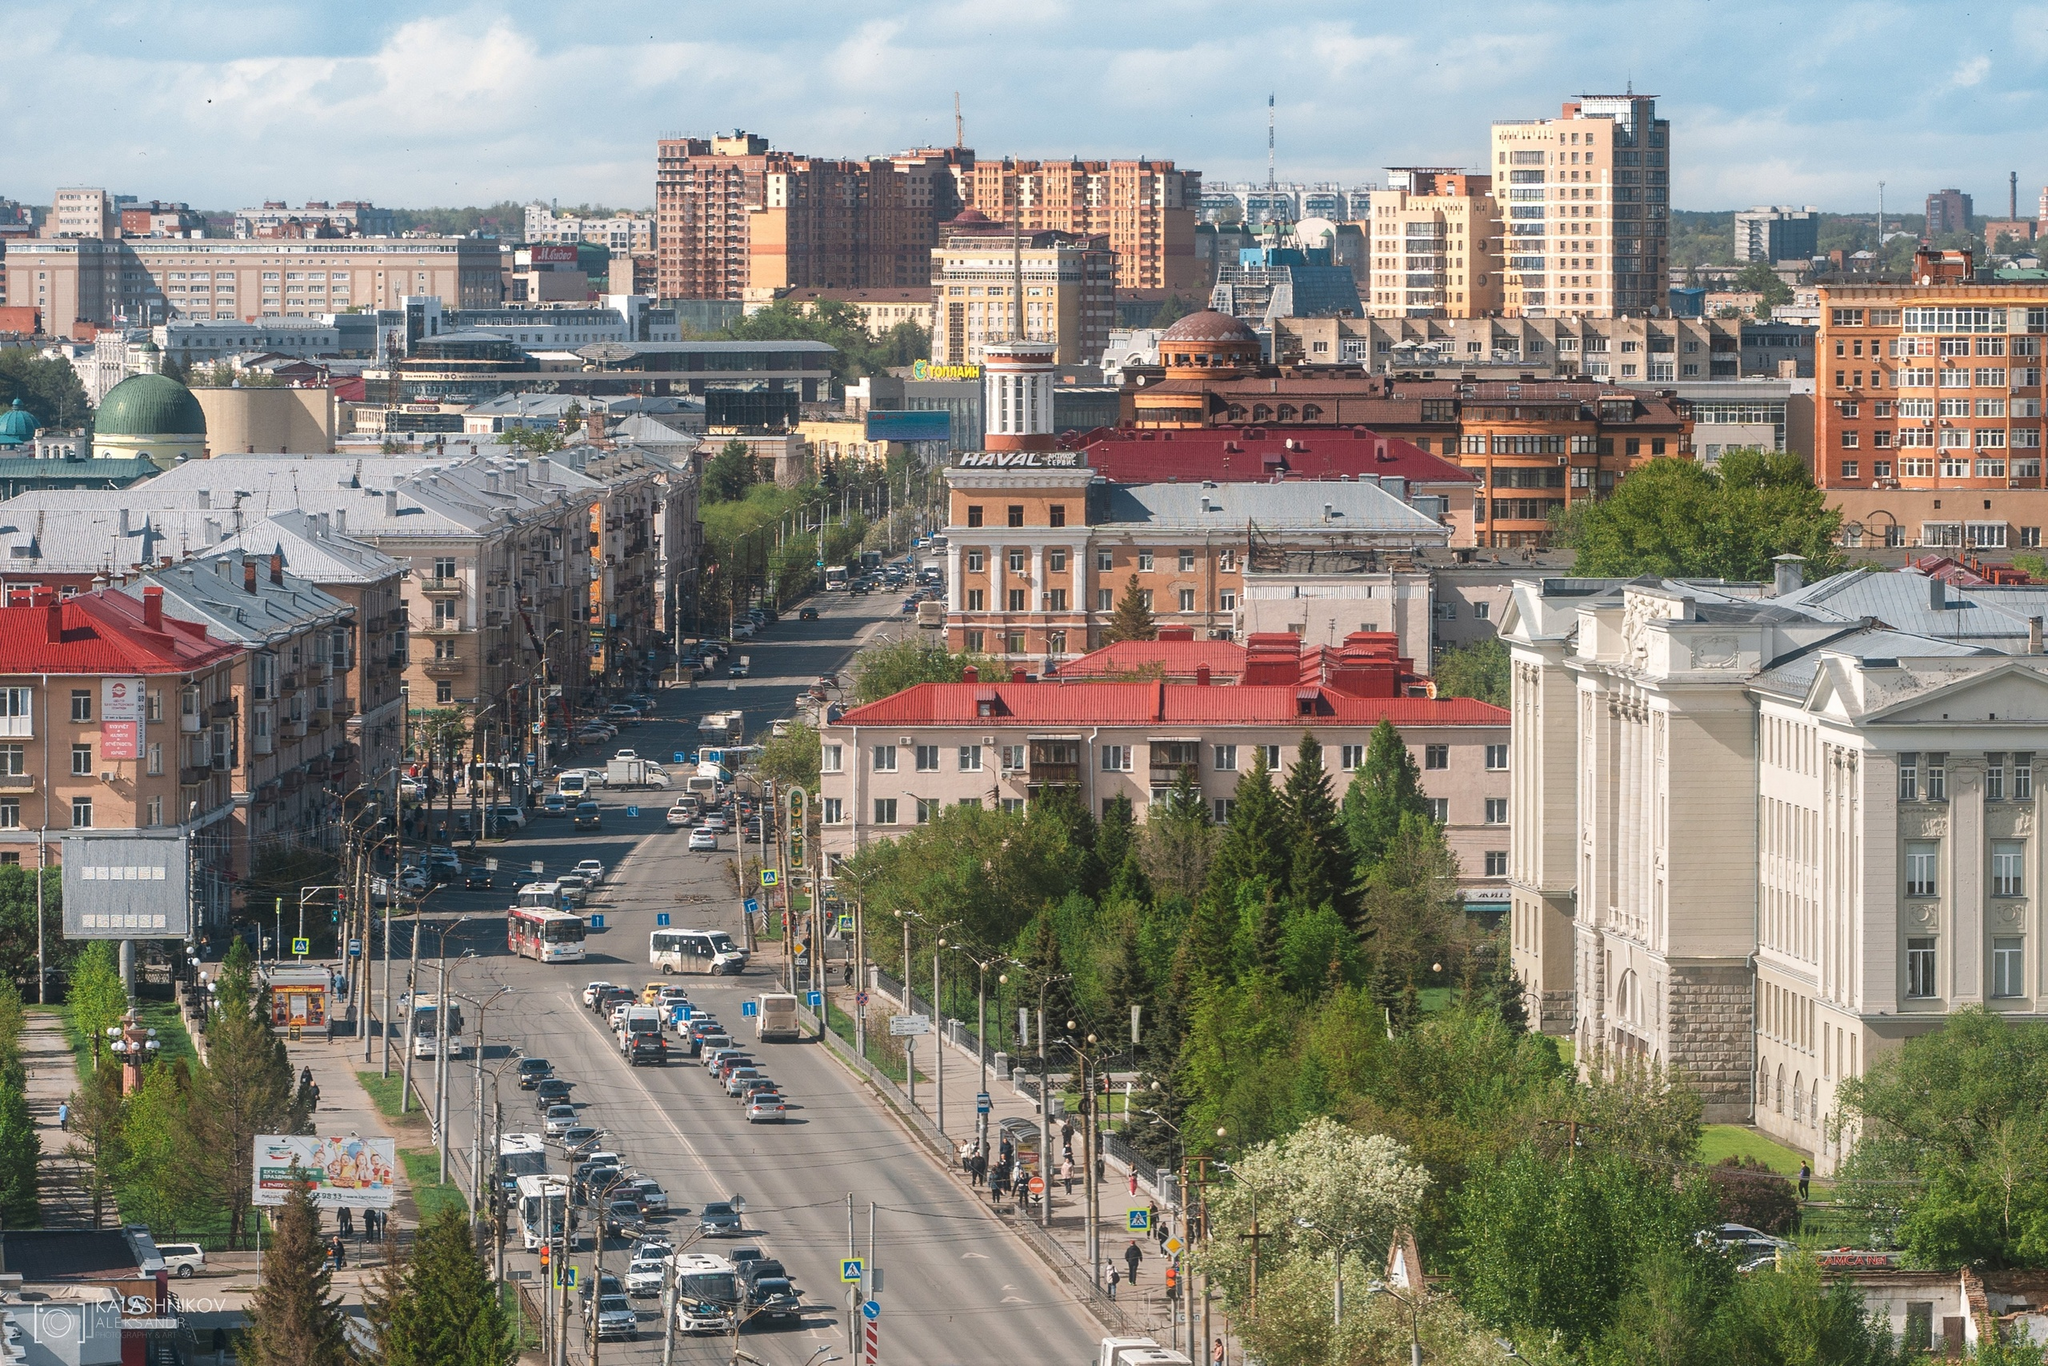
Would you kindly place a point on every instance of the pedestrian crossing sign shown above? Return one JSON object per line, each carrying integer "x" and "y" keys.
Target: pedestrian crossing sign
{"x": 302, "y": 947}
{"x": 770, "y": 876}
{"x": 1138, "y": 1220}
{"x": 850, "y": 1271}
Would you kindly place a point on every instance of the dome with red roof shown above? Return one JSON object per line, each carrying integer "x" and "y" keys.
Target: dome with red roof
{"x": 1209, "y": 327}
{"x": 1209, "y": 345}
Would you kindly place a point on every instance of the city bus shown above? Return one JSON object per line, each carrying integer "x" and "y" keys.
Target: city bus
{"x": 707, "y": 951}
{"x": 534, "y": 1193}
{"x": 520, "y": 1155}
{"x": 705, "y": 1294}
{"x": 544, "y": 934}
{"x": 835, "y": 578}
{"x": 427, "y": 1024}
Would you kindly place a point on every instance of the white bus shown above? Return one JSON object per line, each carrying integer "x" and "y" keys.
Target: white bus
{"x": 835, "y": 578}
{"x": 534, "y": 1192}
{"x": 706, "y": 951}
{"x": 548, "y": 936}
{"x": 775, "y": 1017}
{"x": 705, "y": 1293}
{"x": 427, "y": 1024}
{"x": 521, "y": 1155}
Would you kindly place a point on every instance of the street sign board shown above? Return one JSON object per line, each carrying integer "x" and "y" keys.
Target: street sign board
{"x": 860, "y": 998}
{"x": 538, "y": 867}
{"x": 850, "y": 1271}
{"x": 1138, "y": 1220}
{"x": 750, "y": 906}
{"x": 679, "y": 758}
{"x": 355, "y": 948}
{"x": 815, "y": 1000}
{"x": 490, "y": 865}
{"x": 770, "y": 876}
{"x": 901, "y": 1025}
{"x": 981, "y": 1103}
{"x": 871, "y": 1309}
{"x": 1036, "y": 1185}
{"x": 633, "y": 811}
{"x": 302, "y": 947}
{"x": 749, "y": 1009}
{"x": 597, "y": 922}
{"x": 1173, "y": 1246}
{"x": 661, "y": 918}
{"x": 845, "y": 926}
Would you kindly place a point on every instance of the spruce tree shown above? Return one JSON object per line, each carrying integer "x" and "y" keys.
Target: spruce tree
{"x": 1255, "y": 838}
{"x": 448, "y": 1314}
{"x": 20, "y": 1151}
{"x": 1115, "y": 835}
{"x": 293, "y": 1319}
{"x": 1510, "y": 1001}
{"x": 1130, "y": 886}
{"x": 1388, "y": 787}
{"x": 1320, "y": 869}
{"x": 1132, "y": 619}
{"x": 1046, "y": 977}
{"x": 1126, "y": 982}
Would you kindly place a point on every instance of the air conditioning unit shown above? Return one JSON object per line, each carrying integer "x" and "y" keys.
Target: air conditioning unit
{"x": 988, "y": 739}
{"x": 107, "y": 775}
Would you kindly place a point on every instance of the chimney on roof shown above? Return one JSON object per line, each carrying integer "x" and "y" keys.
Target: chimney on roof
{"x": 1937, "y": 593}
{"x": 1201, "y": 675}
{"x": 1017, "y": 675}
{"x": 205, "y": 497}
{"x": 1791, "y": 574}
{"x": 2033, "y": 635}
{"x": 153, "y": 608}
{"x": 340, "y": 522}
{"x": 277, "y": 567}
{"x": 54, "y": 619}
{"x": 248, "y": 575}
{"x": 594, "y": 424}
{"x": 390, "y": 502}
{"x": 124, "y": 521}
{"x": 970, "y": 674}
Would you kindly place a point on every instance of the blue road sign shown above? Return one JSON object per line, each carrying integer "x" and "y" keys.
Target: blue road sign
{"x": 850, "y": 1270}
{"x": 661, "y": 917}
{"x": 597, "y": 922}
{"x": 871, "y": 1310}
{"x": 569, "y": 1276}
{"x": 679, "y": 758}
{"x": 633, "y": 811}
{"x": 770, "y": 876}
{"x": 302, "y": 947}
{"x": 749, "y": 1009}
{"x": 1138, "y": 1220}
{"x": 981, "y": 1102}
{"x": 750, "y": 906}
{"x": 860, "y": 998}
{"x": 355, "y": 948}
{"x": 815, "y": 999}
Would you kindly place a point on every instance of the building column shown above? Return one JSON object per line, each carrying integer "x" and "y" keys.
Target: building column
{"x": 1968, "y": 880}
{"x": 953, "y": 589}
{"x": 1037, "y": 609}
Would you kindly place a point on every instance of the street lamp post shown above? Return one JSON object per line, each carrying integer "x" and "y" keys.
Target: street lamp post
{"x": 1414, "y": 1303}
{"x": 1340, "y": 1246}
{"x": 1045, "y": 1106}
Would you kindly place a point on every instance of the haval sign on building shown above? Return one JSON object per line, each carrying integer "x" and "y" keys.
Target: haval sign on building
{"x": 1021, "y": 460}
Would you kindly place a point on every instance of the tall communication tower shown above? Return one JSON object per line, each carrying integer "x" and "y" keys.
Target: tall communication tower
{"x": 1272, "y": 179}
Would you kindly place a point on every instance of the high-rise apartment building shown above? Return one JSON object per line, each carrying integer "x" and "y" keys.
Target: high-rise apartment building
{"x": 1587, "y": 205}
{"x": 1948, "y": 211}
{"x": 85, "y": 213}
{"x": 1069, "y": 289}
{"x": 1775, "y": 232}
{"x": 316, "y": 218}
{"x": 731, "y": 215}
{"x": 1147, "y": 209}
{"x": 1435, "y": 247}
{"x": 624, "y": 233}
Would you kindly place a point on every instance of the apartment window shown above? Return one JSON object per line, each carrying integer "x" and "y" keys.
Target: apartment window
{"x": 1439, "y": 809}
{"x": 1013, "y": 805}
{"x": 972, "y": 640}
{"x": 1056, "y": 561}
{"x": 2023, "y": 777}
{"x": 17, "y": 711}
{"x": 976, "y": 599}
{"x": 1352, "y": 757}
{"x": 2008, "y": 968}
{"x": 885, "y": 811}
{"x": 153, "y": 811}
{"x": 1116, "y": 758}
{"x": 1496, "y": 810}
{"x": 2008, "y": 864}
{"x": 12, "y": 758}
{"x": 1055, "y": 601}
{"x": 885, "y": 759}
{"x": 1273, "y": 758}
{"x": 829, "y": 758}
{"x": 1436, "y": 756}
{"x": 1937, "y": 777}
{"x": 1187, "y": 561}
{"x": 1013, "y": 643}
{"x": 1015, "y": 514}
{"x": 1849, "y": 470}
{"x": 1909, "y": 777}
{"x": 832, "y": 810}
{"x": 974, "y": 564}
{"x": 1922, "y": 857}
{"x": 444, "y": 567}
{"x": 10, "y": 813}
{"x": 974, "y": 514}
{"x": 1496, "y": 758}
{"x": 81, "y": 761}
{"x": 1145, "y": 561}
{"x": 970, "y": 758}
{"x": 1187, "y": 599}
{"x": 1013, "y": 758}
{"x": 1145, "y": 596}
{"x": 927, "y": 807}
{"x": 1016, "y": 599}
{"x": 155, "y": 705}
{"x": 1016, "y": 562}
{"x": 1994, "y": 777}
{"x": 1105, "y": 560}
{"x": 81, "y": 704}
{"x": 1920, "y": 968}
{"x": 1496, "y": 863}
{"x": 1056, "y": 514}
{"x": 1226, "y": 758}
{"x": 81, "y": 813}
{"x": 444, "y": 693}
{"x": 156, "y": 760}
{"x": 1224, "y": 806}
{"x": 1105, "y": 600}
{"x": 927, "y": 758}
{"x": 1226, "y": 601}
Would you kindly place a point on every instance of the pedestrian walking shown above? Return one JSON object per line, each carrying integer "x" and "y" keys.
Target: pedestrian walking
{"x": 313, "y": 1092}
{"x": 1131, "y": 1259}
{"x": 1804, "y": 1172}
{"x": 1134, "y": 1181}
{"x": 220, "y": 1346}
{"x": 1112, "y": 1283}
{"x": 1067, "y": 1175}
{"x": 63, "y": 1114}
{"x": 347, "y": 1222}
{"x": 1216, "y": 1353}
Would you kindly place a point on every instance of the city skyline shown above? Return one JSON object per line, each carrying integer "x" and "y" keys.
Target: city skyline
{"x": 448, "y": 104}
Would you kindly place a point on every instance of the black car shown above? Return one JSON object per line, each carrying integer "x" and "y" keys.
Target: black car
{"x": 534, "y": 1071}
{"x": 592, "y": 1183}
{"x": 755, "y": 1268}
{"x": 587, "y": 817}
{"x": 621, "y": 1217}
{"x": 774, "y": 1303}
{"x": 551, "y": 1090}
{"x": 474, "y": 878}
{"x": 807, "y": 614}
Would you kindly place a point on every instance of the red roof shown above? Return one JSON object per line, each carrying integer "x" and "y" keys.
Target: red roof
{"x": 1177, "y": 658}
{"x": 1365, "y": 665}
{"x": 102, "y": 633}
{"x": 1241, "y": 455}
{"x": 1084, "y": 703}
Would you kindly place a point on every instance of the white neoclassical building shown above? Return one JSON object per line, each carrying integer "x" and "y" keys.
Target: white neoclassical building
{"x": 1767, "y": 830}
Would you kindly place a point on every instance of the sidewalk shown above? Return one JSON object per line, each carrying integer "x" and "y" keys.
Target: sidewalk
{"x": 52, "y": 1078}
{"x": 346, "y": 1108}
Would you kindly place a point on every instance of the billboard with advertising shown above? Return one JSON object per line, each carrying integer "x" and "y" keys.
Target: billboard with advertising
{"x": 120, "y": 718}
{"x": 127, "y": 886}
{"x": 554, "y": 253}
{"x": 345, "y": 1173}
{"x": 909, "y": 425}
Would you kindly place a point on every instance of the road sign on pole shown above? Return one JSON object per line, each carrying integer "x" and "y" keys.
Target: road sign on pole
{"x": 871, "y": 1310}
{"x": 749, "y": 1009}
{"x": 770, "y": 876}
{"x": 981, "y": 1103}
{"x": 1138, "y": 1219}
{"x": 850, "y": 1271}
{"x": 815, "y": 1000}
{"x": 750, "y": 906}
{"x": 302, "y": 947}
{"x": 660, "y": 918}
{"x": 860, "y": 998}
{"x": 910, "y": 1025}
{"x": 633, "y": 811}
{"x": 538, "y": 867}
{"x": 355, "y": 948}
{"x": 597, "y": 922}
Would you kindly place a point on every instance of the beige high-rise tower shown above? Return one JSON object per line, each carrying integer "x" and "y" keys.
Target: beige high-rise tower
{"x": 1586, "y": 201}
{"x": 1436, "y": 246}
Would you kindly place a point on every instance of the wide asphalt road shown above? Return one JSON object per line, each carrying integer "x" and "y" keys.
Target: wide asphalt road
{"x": 958, "y": 1287}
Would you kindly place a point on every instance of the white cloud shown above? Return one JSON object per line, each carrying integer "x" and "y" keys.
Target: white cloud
{"x": 1972, "y": 72}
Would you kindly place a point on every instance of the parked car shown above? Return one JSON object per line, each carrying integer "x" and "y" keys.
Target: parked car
{"x": 182, "y": 1260}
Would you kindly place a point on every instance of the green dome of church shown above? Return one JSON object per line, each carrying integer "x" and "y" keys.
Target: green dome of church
{"x": 17, "y": 426}
{"x": 149, "y": 405}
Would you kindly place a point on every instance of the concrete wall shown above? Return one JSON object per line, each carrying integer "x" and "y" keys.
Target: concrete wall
{"x": 290, "y": 421}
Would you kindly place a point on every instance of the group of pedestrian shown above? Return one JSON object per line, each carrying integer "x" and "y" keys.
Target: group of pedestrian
{"x": 1132, "y": 1258}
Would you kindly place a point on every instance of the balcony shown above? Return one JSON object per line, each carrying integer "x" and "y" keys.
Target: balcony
{"x": 441, "y": 588}
{"x": 193, "y": 777}
{"x": 223, "y": 710}
{"x": 288, "y": 683}
{"x": 189, "y": 723}
{"x": 444, "y": 668}
{"x": 320, "y": 719}
{"x": 17, "y": 782}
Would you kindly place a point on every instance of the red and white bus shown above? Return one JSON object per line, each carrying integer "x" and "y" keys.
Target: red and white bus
{"x": 550, "y": 936}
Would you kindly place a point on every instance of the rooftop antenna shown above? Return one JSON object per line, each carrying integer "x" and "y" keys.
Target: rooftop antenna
{"x": 959, "y": 133}
{"x": 1272, "y": 182}
{"x": 1017, "y": 268}
{"x": 1880, "y": 215}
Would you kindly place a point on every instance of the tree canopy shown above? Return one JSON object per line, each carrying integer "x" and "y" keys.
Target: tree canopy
{"x": 1682, "y": 519}
{"x": 887, "y": 667}
{"x": 1132, "y": 619}
{"x": 1478, "y": 670}
{"x": 46, "y": 386}
{"x": 841, "y": 326}
{"x": 729, "y": 474}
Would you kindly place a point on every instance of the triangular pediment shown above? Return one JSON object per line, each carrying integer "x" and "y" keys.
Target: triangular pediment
{"x": 2015, "y": 691}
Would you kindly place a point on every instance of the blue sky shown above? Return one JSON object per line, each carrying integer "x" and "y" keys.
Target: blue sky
{"x": 222, "y": 104}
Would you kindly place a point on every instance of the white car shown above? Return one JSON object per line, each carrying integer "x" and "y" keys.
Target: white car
{"x": 683, "y": 813}
{"x": 590, "y": 992}
{"x": 182, "y": 1259}
{"x": 646, "y": 1277}
{"x": 704, "y": 838}
{"x": 592, "y": 869}
{"x": 626, "y": 754}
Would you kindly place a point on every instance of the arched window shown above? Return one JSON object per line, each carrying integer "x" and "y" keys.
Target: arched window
{"x": 1813, "y": 1111}
{"x": 1798, "y": 1098}
{"x": 1236, "y": 413}
{"x": 1778, "y": 1097}
{"x": 1763, "y": 1083}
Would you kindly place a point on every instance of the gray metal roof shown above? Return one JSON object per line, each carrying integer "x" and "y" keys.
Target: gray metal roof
{"x": 1357, "y": 507}
{"x": 1904, "y": 601}
{"x": 216, "y": 592}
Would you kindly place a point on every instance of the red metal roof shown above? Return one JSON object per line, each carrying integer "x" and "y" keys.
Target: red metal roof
{"x": 102, "y": 633}
{"x": 1178, "y": 658}
{"x": 1127, "y": 455}
{"x": 1053, "y": 703}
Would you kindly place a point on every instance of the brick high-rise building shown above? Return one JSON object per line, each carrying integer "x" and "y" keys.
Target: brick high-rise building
{"x": 733, "y": 215}
{"x": 1948, "y": 211}
{"x": 1587, "y": 203}
{"x": 1147, "y": 209}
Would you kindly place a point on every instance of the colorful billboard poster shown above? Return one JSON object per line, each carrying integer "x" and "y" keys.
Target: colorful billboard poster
{"x": 121, "y": 718}
{"x": 346, "y": 1173}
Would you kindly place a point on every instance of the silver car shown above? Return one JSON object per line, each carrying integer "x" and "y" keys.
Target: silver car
{"x": 558, "y": 1120}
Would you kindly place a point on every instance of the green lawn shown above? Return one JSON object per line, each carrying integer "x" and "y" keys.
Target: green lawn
{"x": 383, "y": 1091}
{"x": 431, "y": 1196}
{"x": 1733, "y": 1140}
{"x": 890, "y": 1064}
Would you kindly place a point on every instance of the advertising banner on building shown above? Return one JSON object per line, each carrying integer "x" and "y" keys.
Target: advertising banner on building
{"x": 909, "y": 425}
{"x": 121, "y": 718}
{"x": 127, "y": 887}
{"x": 554, "y": 253}
{"x": 345, "y": 1173}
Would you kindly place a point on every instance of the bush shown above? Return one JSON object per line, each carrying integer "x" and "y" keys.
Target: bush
{"x": 1751, "y": 1193}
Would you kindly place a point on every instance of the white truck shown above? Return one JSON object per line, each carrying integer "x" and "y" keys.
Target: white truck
{"x": 640, "y": 1036}
{"x": 634, "y": 773}
{"x": 1139, "y": 1352}
{"x": 775, "y": 1017}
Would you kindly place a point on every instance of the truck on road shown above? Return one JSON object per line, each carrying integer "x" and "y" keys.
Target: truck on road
{"x": 634, "y": 773}
{"x": 1139, "y": 1352}
{"x": 776, "y": 1017}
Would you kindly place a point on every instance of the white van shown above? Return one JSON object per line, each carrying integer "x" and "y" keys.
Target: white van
{"x": 572, "y": 784}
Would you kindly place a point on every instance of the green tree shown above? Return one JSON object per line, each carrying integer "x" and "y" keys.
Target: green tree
{"x": 95, "y": 1000}
{"x": 1254, "y": 849}
{"x": 1386, "y": 789}
{"x": 294, "y": 1318}
{"x": 1505, "y": 991}
{"x": 1412, "y": 912}
{"x": 246, "y": 1088}
{"x": 731, "y": 473}
{"x": 1319, "y": 871}
{"x": 1953, "y": 1128}
{"x": 46, "y": 386}
{"x": 792, "y": 758}
{"x": 1178, "y": 841}
{"x": 1680, "y": 519}
{"x": 18, "y": 925}
{"x": 532, "y": 440}
{"x": 1116, "y": 835}
{"x": 1132, "y": 619}
{"x": 448, "y": 1312}
{"x": 21, "y": 1151}
{"x": 887, "y": 667}
{"x": 856, "y": 352}
{"x": 155, "y": 1166}
{"x": 1478, "y": 670}
{"x": 1758, "y": 278}
{"x": 95, "y": 1129}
